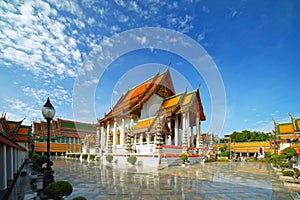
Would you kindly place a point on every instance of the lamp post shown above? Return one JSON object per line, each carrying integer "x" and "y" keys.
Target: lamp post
{"x": 48, "y": 112}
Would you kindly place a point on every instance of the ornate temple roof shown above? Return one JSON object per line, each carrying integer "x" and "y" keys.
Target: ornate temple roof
{"x": 183, "y": 102}
{"x": 131, "y": 102}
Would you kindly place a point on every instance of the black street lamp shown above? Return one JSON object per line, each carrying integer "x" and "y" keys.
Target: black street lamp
{"x": 48, "y": 112}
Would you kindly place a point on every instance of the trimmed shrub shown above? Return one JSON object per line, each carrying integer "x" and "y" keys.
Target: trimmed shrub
{"x": 92, "y": 157}
{"x": 40, "y": 160}
{"x": 268, "y": 154}
{"x": 184, "y": 158}
{"x": 297, "y": 174}
{"x": 59, "y": 189}
{"x": 85, "y": 156}
{"x": 79, "y": 198}
{"x": 292, "y": 161}
{"x": 211, "y": 160}
{"x": 131, "y": 159}
{"x": 77, "y": 156}
{"x": 35, "y": 156}
{"x": 283, "y": 165}
{"x": 288, "y": 173}
{"x": 109, "y": 158}
{"x": 289, "y": 152}
{"x": 224, "y": 154}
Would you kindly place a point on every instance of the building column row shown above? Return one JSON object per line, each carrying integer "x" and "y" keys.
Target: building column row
{"x": 11, "y": 159}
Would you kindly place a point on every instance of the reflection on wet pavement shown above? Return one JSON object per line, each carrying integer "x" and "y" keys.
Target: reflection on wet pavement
{"x": 220, "y": 180}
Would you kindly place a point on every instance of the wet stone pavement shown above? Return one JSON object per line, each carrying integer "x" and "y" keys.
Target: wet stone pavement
{"x": 220, "y": 180}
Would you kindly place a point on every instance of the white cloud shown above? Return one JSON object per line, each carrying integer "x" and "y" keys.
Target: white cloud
{"x": 68, "y": 6}
{"x": 201, "y": 36}
{"x": 205, "y": 9}
{"x": 134, "y": 7}
{"x": 181, "y": 23}
{"x": 114, "y": 28}
{"x": 233, "y": 12}
{"x": 123, "y": 18}
{"x": 91, "y": 21}
{"x": 173, "y": 5}
{"x": 120, "y": 3}
{"x": 19, "y": 109}
{"x": 33, "y": 37}
{"x": 59, "y": 95}
{"x": 141, "y": 40}
{"x": 106, "y": 42}
{"x": 88, "y": 83}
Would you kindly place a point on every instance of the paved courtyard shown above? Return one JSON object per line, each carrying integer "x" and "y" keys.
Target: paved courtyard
{"x": 210, "y": 181}
{"x": 221, "y": 180}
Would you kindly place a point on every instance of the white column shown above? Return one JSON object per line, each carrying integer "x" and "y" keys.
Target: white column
{"x": 188, "y": 129}
{"x": 131, "y": 123}
{"x": 141, "y": 139}
{"x": 176, "y": 131}
{"x": 102, "y": 141}
{"x": 183, "y": 123}
{"x": 122, "y": 136}
{"x": 148, "y": 136}
{"x": 107, "y": 134}
{"x": 3, "y": 172}
{"x": 192, "y": 137}
{"x": 134, "y": 140}
{"x": 10, "y": 162}
{"x": 74, "y": 141}
{"x": 115, "y": 133}
{"x": 15, "y": 160}
{"x": 97, "y": 139}
{"x": 183, "y": 126}
{"x": 197, "y": 130}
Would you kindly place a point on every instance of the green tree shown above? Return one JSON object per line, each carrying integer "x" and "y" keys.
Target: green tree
{"x": 289, "y": 152}
{"x": 250, "y": 136}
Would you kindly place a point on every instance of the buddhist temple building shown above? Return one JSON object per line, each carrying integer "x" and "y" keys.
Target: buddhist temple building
{"x": 14, "y": 145}
{"x": 287, "y": 134}
{"x": 66, "y": 136}
{"x": 153, "y": 105}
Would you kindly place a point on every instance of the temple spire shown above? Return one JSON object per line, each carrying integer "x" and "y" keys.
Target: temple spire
{"x": 170, "y": 62}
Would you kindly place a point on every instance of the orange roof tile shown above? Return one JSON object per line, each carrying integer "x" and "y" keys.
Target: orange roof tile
{"x": 187, "y": 99}
{"x": 171, "y": 102}
{"x": 145, "y": 123}
{"x": 23, "y": 131}
{"x": 285, "y": 128}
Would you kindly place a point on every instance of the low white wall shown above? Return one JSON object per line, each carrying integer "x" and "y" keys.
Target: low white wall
{"x": 142, "y": 160}
{"x": 145, "y": 149}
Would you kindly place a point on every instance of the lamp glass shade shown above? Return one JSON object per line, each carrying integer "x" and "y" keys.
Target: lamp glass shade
{"x": 48, "y": 112}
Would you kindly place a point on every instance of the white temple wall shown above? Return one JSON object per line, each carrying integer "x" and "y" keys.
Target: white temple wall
{"x": 151, "y": 106}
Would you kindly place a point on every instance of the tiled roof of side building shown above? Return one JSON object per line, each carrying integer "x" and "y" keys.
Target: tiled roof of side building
{"x": 73, "y": 125}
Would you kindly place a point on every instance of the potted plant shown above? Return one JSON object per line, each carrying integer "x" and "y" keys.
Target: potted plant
{"x": 131, "y": 159}
{"x": 184, "y": 159}
{"x": 109, "y": 158}
{"x": 58, "y": 190}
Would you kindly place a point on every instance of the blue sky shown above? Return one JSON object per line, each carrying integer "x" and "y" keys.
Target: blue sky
{"x": 255, "y": 46}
